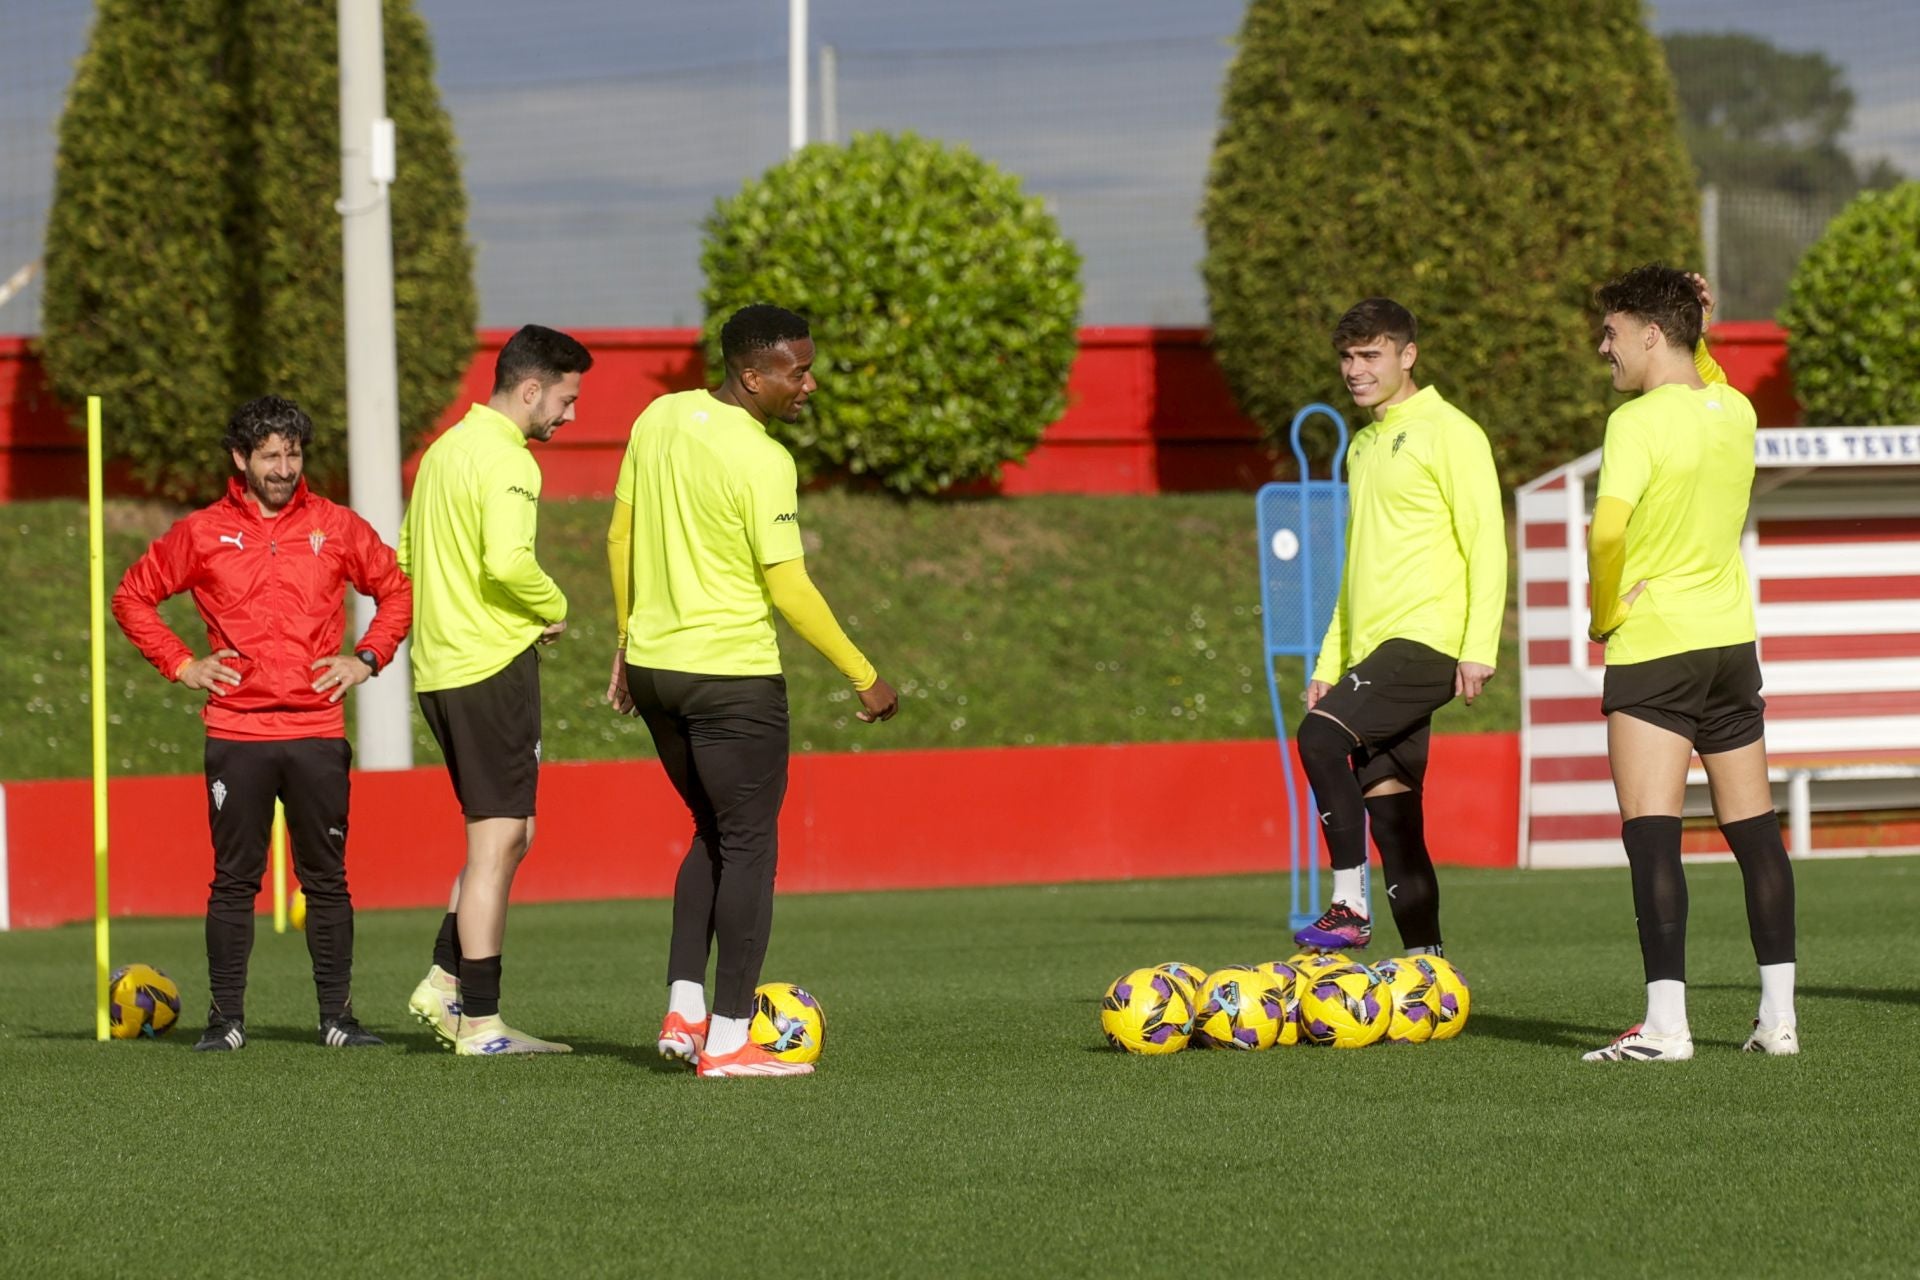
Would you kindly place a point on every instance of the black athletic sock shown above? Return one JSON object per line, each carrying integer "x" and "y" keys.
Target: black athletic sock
{"x": 1768, "y": 877}
{"x": 1413, "y": 891}
{"x": 1324, "y": 751}
{"x": 446, "y": 947}
{"x": 1659, "y": 895}
{"x": 479, "y": 986}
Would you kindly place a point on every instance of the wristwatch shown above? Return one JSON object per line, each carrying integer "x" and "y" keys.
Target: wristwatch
{"x": 369, "y": 657}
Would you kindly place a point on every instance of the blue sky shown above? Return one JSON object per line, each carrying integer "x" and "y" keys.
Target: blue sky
{"x": 597, "y": 133}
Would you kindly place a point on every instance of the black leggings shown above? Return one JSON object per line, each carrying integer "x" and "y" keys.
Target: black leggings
{"x": 723, "y": 743}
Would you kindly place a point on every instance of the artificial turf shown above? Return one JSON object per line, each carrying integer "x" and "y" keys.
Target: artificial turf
{"x": 967, "y": 1117}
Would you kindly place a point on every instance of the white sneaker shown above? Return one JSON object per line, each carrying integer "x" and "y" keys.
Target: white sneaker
{"x": 1635, "y": 1045}
{"x": 1782, "y": 1041}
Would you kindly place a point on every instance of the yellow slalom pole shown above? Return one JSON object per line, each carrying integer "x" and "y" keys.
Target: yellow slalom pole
{"x": 277, "y": 853}
{"x": 97, "y": 631}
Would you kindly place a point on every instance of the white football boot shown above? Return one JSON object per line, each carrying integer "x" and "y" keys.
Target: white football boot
{"x": 1636, "y": 1045}
{"x": 1782, "y": 1041}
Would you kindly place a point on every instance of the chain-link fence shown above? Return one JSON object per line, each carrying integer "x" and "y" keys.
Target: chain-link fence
{"x": 598, "y": 133}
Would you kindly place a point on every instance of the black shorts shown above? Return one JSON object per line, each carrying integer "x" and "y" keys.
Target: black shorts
{"x": 1387, "y": 701}
{"x": 489, "y": 733}
{"x": 1710, "y": 697}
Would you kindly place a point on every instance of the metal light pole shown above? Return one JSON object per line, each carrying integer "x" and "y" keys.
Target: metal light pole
{"x": 381, "y": 706}
{"x": 829, "y": 93}
{"x": 796, "y": 74}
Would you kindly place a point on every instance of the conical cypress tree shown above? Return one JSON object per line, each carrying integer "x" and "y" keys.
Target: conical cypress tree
{"x": 193, "y": 253}
{"x": 1485, "y": 162}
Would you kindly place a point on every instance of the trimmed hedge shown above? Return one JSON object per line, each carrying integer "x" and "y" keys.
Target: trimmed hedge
{"x": 1485, "y": 162}
{"x": 944, "y": 305}
{"x": 1853, "y": 315}
{"x": 193, "y": 251}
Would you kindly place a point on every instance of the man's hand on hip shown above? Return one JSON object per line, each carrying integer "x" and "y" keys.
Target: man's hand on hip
{"x": 341, "y": 672}
{"x": 210, "y": 673}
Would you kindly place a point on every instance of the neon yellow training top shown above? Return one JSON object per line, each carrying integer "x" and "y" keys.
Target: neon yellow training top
{"x": 1426, "y": 539}
{"x": 479, "y": 595}
{"x": 713, "y": 499}
{"x": 1676, "y": 476}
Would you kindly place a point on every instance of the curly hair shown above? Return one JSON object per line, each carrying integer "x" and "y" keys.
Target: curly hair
{"x": 256, "y": 420}
{"x": 1655, "y": 294}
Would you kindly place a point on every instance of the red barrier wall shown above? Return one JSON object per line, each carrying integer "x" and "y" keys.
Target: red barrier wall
{"x": 1148, "y": 411}
{"x": 885, "y": 820}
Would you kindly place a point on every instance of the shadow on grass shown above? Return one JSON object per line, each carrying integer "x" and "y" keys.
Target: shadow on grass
{"x": 1876, "y": 995}
{"x": 1540, "y": 1031}
{"x": 75, "y": 1034}
{"x": 1249, "y": 921}
{"x": 413, "y": 1042}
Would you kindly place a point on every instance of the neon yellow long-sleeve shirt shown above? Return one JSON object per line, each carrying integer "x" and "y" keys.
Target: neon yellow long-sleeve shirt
{"x": 1426, "y": 539}
{"x": 1676, "y": 476}
{"x": 789, "y": 587}
{"x": 479, "y": 595}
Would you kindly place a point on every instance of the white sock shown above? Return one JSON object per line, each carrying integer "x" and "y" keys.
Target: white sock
{"x": 1349, "y": 887}
{"x": 1666, "y": 1008}
{"x": 1776, "y": 995}
{"x": 687, "y": 1000}
{"x": 726, "y": 1035}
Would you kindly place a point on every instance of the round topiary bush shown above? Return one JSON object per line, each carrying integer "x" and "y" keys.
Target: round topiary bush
{"x": 943, "y": 302}
{"x": 1485, "y": 162}
{"x": 1853, "y": 315}
{"x": 193, "y": 250}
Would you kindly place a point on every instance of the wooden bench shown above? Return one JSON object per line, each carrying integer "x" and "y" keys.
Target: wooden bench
{"x": 1855, "y": 786}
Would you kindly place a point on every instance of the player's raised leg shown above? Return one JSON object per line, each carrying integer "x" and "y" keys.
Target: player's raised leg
{"x": 1649, "y": 766}
{"x": 1325, "y": 746}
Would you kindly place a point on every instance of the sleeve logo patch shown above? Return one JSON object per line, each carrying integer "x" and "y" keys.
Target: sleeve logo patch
{"x": 529, "y": 496}
{"x": 787, "y": 517}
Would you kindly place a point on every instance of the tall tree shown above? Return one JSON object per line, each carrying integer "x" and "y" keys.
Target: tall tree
{"x": 193, "y": 251}
{"x": 1485, "y": 162}
{"x": 1764, "y": 127}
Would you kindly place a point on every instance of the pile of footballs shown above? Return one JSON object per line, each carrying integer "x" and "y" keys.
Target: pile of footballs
{"x": 1312, "y": 998}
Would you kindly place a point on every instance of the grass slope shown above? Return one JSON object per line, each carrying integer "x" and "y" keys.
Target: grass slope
{"x": 967, "y": 1118}
{"x": 1002, "y": 623}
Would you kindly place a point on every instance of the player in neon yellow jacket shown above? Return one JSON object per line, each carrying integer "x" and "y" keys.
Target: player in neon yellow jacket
{"x": 704, "y": 545}
{"x": 1417, "y": 623}
{"x": 1683, "y": 670}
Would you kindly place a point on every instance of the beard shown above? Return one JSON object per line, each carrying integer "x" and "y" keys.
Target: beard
{"x": 270, "y": 491}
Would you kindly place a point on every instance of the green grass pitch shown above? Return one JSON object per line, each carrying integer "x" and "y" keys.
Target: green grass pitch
{"x": 967, "y": 1118}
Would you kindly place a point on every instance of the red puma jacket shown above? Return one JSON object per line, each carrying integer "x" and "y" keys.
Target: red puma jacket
{"x": 274, "y": 591}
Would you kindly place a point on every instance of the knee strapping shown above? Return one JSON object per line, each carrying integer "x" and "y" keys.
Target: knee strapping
{"x": 1324, "y": 743}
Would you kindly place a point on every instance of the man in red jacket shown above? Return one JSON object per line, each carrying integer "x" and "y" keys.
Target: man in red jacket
{"x": 268, "y": 566}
